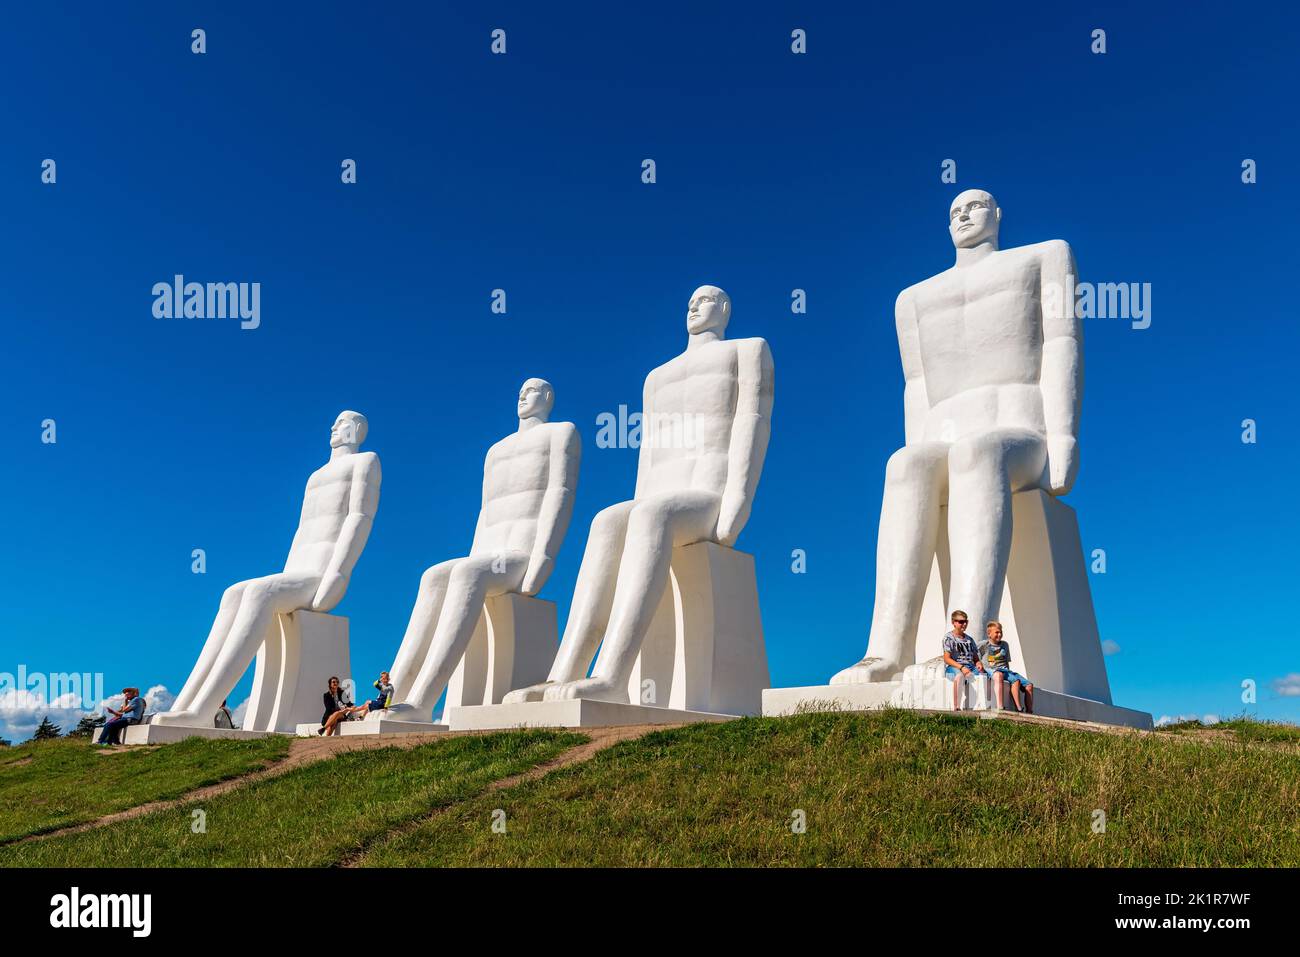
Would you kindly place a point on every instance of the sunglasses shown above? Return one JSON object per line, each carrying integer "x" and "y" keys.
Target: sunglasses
{"x": 960, "y": 621}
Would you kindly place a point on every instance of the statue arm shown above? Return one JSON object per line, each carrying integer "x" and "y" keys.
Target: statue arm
{"x": 362, "y": 505}
{"x": 643, "y": 464}
{"x": 557, "y": 507}
{"x": 1061, "y": 380}
{"x": 916, "y": 403}
{"x": 750, "y": 431}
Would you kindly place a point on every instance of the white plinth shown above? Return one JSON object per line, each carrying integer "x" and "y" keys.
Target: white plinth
{"x": 570, "y": 714}
{"x": 293, "y": 669}
{"x": 704, "y": 650}
{"x": 350, "y": 729}
{"x": 170, "y": 734}
{"x": 925, "y": 687}
{"x": 513, "y": 646}
{"x": 1046, "y": 608}
{"x": 859, "y": 697}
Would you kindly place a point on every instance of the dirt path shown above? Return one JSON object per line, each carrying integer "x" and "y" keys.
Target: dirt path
{"x": 304, "y": 751}
{"x": 600, "y": 739}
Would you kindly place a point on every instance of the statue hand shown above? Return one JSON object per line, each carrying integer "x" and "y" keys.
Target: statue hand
{"x": 1062, "y": 463}
{"x": 727, "y": 530}
{"x": 330, "y": 592}
{"x": 539, "y": 569}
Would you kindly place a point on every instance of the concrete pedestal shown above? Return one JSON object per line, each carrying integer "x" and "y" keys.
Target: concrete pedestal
{"x": 293, "y": 668}
{"x": 570, "y": 714}
{"x": 349, "y": 729}
{"x": 170, "y": 734}
{"x": 513, "y": 646}
{"x": 704, "y": 650}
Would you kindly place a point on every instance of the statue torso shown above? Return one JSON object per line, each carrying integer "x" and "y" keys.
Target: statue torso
{"x": 980, "y": 335}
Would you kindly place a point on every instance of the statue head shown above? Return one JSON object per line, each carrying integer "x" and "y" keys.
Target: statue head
{"x": 536, "y": 396}
{"x": 973, "y": 218}
{"x": 349, "y": 430}
{"x": 709, "y": 310}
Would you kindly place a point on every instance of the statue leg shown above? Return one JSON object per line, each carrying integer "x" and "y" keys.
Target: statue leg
{"x": 984, "y": 471}
{"x": 261, "y": 601}
{"x": 419, "y": 631}
{"x": 212, "y": 647}
{"x": 654, "y": 526}
{"x": 909, "y": 532}
{"x": 471, "y": 581}
{"x": 593, "y": 597}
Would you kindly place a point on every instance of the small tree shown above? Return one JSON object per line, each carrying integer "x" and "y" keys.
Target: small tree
{"x": 46, "y": 730}
{"x": 87, "y": 726}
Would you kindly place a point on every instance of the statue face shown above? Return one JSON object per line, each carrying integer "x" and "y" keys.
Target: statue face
{"x": 344, "y": 432}
{"x": 973, "y": 218}
{"x": 709, "y": 309}
{"x": 534, "y": 399}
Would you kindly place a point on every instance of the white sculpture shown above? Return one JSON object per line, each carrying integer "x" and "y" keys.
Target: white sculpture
{"x": 994, "y": 377}
{"x": 705, "y": 426}
{"x": 337, "y": 511}
{"x": 529, "y": 481}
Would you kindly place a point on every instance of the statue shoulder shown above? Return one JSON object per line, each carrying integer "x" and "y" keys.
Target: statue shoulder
{"x": 366, "y": 464}
{"x": 753, "y": 346}
{"x": 1047, "y": 249}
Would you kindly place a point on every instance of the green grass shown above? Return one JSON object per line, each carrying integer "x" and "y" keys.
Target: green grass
{"x": 1243, "y": 729}
{"x": 886, "y": 789}
{"x": 311, "y": 816}
{"x": 889, "y": 788}
{"x": 46, "y": 785}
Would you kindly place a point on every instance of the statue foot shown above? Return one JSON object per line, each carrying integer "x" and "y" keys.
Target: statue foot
{"x": 180, "y": 719}
{"x": 866, "y": 670}
{"x": 593, "y": 689}
{"x": 531, "y": 693}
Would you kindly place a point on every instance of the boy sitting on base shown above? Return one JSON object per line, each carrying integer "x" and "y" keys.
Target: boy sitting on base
{"x": 996, "y": 655}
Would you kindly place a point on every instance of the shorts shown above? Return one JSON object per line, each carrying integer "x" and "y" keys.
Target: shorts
{"x": 952, "y": 672}
{"x": 1010, "y": 676}
{"x": 377, "y": 705}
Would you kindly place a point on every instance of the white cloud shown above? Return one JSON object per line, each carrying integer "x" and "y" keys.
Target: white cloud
{"x": 21, "y": 711}
{"x": 1109, "y": 647}
{"x": 1289, "y": 686}
{"x": 237, "y": 716}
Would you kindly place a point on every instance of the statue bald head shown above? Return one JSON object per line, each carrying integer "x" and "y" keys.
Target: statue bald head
{"x": 536, "y": 397}
{"x": 973, "y": 218}
{"x": 349, "y": 430}
{"x": 709, "y": 310}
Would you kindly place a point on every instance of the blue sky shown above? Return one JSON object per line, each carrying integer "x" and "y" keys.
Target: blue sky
{"x": 522, "y": 172}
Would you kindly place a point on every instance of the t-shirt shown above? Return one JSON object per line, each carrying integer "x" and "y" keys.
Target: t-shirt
{"x": 134, "y": 710}
{"x": 963, "y": 650}
{"x": 996, "y": 656}
{"x": 385, "y": 690}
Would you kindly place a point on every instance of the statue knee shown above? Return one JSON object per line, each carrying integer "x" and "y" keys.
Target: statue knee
{"x": 976, "y": 452}
{"x": 650, "y": 518}
{"x": 911, "y": 465}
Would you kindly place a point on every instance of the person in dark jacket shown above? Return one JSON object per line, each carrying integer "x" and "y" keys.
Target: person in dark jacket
{"x": 337, "y": 708}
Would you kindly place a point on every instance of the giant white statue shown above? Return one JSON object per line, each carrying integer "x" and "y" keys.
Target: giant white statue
{"x": 993, "y": 365}
{"x": 529, "y": 481}
{"x": 706, "y": 419}
{"x": 337, "y": 512}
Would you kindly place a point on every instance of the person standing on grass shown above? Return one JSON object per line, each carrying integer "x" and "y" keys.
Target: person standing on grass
{"x": 131, "y": 713}
{"x": 338, "y": 707}
{"x": 960, "y": 656}
{"x": 996, "y": 656}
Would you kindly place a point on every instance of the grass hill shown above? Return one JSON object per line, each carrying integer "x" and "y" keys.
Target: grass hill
{"x": 888, "y": 788}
